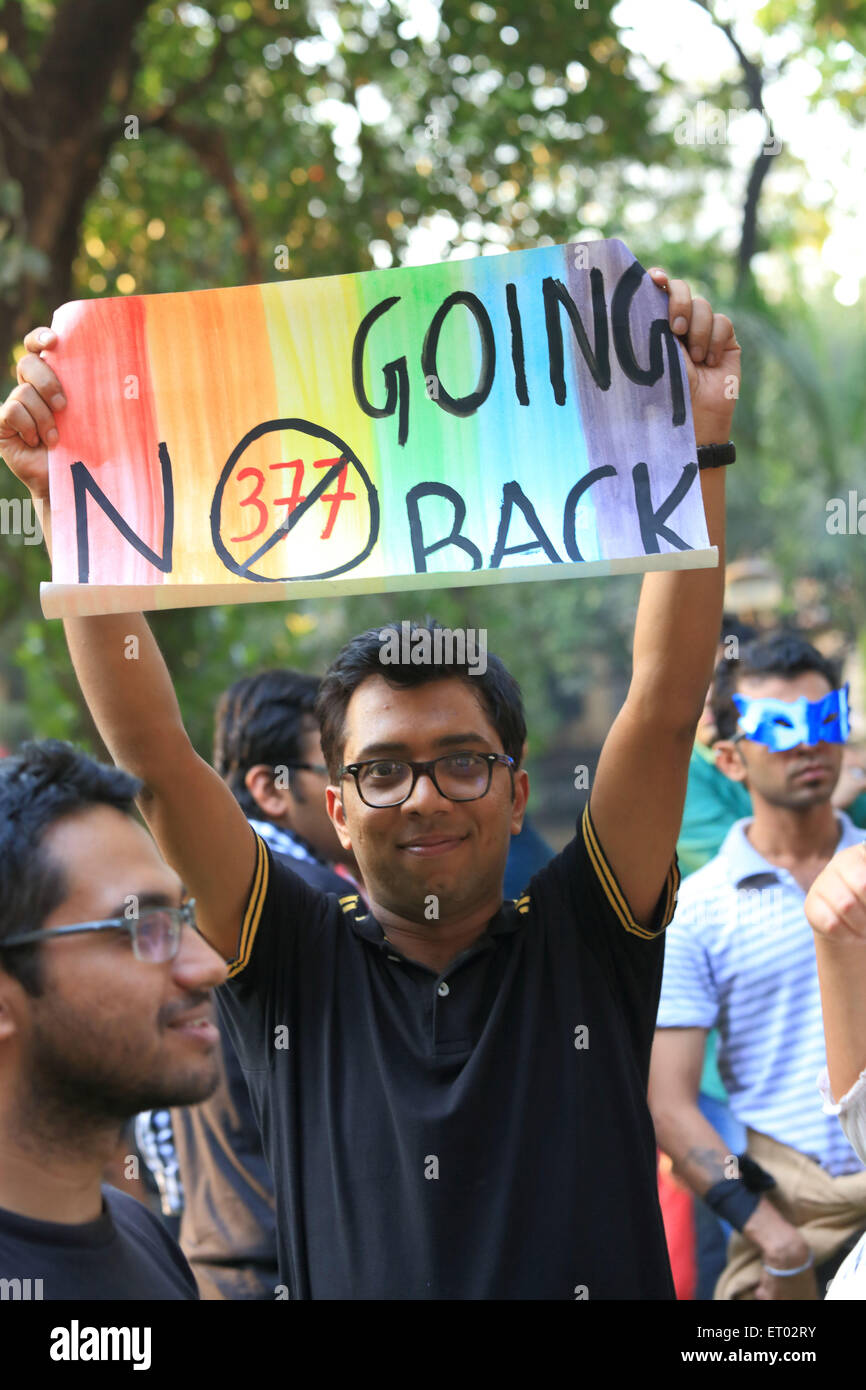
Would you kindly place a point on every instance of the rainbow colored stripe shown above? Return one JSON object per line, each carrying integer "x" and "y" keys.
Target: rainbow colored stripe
{"x": 197, "y": 372}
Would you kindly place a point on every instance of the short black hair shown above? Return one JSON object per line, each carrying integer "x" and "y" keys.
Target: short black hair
{"x": 261, "y": 719}
{"x": 782, "y": 653}
{"x": 732, "y": 626}
{"x": 42, "y": 784}
{"x": 496, "y": 688}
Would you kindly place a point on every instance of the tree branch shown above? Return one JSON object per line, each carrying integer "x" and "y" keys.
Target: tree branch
{"x": 76, "y": 67}
{"x": 753, "y": 80}
{"x": 749, "y": 234}
{"x": 18, "y": 132}
{"x": 751, "y": 71}
{"x": 208, "y": 143}
{"x": 199, "y": 85}
{"x": 13, "y": 26}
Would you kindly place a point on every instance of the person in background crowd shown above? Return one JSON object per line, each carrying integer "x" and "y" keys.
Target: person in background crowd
{"x": 155, "y": 1143}
{"x": 850, "y": 791}
{"x": 267, "y": 749}
{"x": 208, "y": 1159}
{"x": 836, "y": 911}
{"x": 527, "y": 853}
{"x": 713, "y": 803}
{"x": 105, "y": 1008}
{"x": 740, "y": 957}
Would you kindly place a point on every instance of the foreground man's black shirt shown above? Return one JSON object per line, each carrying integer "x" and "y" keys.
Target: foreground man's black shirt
{"x": 479, "y": 1134}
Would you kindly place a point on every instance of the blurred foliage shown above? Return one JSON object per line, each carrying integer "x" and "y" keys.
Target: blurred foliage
{"x": 353, "y": 130}
{"x": 831, "y": 36}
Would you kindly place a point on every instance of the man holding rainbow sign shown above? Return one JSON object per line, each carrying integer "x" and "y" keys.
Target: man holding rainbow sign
{"x": 451, "y": 1087}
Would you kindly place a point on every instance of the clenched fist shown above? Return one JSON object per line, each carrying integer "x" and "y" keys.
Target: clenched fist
{"x": 836, "y": 902}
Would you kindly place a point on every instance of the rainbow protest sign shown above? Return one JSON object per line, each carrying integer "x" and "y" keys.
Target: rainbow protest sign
{"x": 523, "y": 416}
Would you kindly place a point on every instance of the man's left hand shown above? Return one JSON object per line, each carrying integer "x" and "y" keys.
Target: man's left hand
{"x": 712, "y": 356}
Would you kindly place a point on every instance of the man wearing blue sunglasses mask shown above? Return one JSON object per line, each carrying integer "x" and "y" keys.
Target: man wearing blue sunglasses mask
{"x": 740, "y": 957}
{"x": 784, "y": 724}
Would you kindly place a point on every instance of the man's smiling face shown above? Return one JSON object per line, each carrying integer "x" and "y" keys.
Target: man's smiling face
{"x": 428, "y": 845}
{"x": 111, "y": 1035}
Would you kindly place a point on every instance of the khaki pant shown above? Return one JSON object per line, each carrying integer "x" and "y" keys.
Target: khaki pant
{"x": 826, "y": 1210}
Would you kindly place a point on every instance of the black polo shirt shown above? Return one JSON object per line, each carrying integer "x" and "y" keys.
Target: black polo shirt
{"x": 482, "y": 1133}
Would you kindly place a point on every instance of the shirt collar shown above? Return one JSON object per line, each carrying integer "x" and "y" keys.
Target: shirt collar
{"x": 743, "y": 860}
{"x": 504, "y": 921}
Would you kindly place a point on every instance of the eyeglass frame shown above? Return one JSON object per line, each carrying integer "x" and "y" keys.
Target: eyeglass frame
{"x": 186, "y": 914}
{"x": 419, "y": 769}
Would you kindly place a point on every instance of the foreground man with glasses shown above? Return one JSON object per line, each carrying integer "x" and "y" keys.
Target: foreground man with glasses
{"x": 105, "y": 1009}
{"x": 451, "y": 1088}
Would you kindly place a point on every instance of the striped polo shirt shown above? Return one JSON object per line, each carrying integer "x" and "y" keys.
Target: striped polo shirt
{"x": 741, "y": 958}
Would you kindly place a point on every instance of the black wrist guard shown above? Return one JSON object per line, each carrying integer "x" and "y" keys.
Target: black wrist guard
{"x": 716, "y": 455}
{"x": 732, "y": 1201}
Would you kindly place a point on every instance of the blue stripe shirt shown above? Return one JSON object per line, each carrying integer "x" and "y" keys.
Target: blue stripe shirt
{"x": 740, "y": 957}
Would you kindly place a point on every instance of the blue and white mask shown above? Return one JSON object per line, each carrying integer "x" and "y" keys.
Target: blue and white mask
{"x": 783, "y": 724}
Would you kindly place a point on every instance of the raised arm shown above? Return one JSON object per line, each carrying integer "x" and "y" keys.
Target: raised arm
{"x": 194, "y": 818}
{"x": 639, "y": 790}
{"x": 836, "y": 910}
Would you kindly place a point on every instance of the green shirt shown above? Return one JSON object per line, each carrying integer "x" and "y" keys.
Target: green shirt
{"x": 713, "y": 803}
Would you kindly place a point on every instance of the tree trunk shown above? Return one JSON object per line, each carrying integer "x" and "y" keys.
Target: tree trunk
{"x": 52, "y": 138}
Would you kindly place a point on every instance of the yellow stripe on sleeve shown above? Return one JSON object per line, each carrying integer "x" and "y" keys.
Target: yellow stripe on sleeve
{"x": 613, "y": 892}
{"x": 252, "y": 915}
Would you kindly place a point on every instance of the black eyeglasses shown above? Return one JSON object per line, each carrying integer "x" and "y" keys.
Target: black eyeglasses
{"x": 155, "y": 932}
{"x": 456, "y": 776}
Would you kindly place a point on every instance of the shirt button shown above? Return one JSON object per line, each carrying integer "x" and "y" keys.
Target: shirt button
{"x": 443, "y": 989}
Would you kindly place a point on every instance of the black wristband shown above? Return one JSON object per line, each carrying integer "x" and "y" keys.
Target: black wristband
{"x": 756, "y": 1178}
{"x": 732, "y": 1200}
{"x": 716, "y": 455}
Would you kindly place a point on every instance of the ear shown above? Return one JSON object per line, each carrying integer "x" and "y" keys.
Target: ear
{"x": 730, "y": 760}
{"x": 273, "y": 800}
{"x": 11, "y": 994}
{"x": 518, "y": 805}
{"x": 337, "y": 813}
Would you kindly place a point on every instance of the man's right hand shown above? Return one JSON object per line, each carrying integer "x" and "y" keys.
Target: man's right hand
{"x": 835, "y": 905}
{"x": 27, "y": 426}
{"x": 782, "y": 1247}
